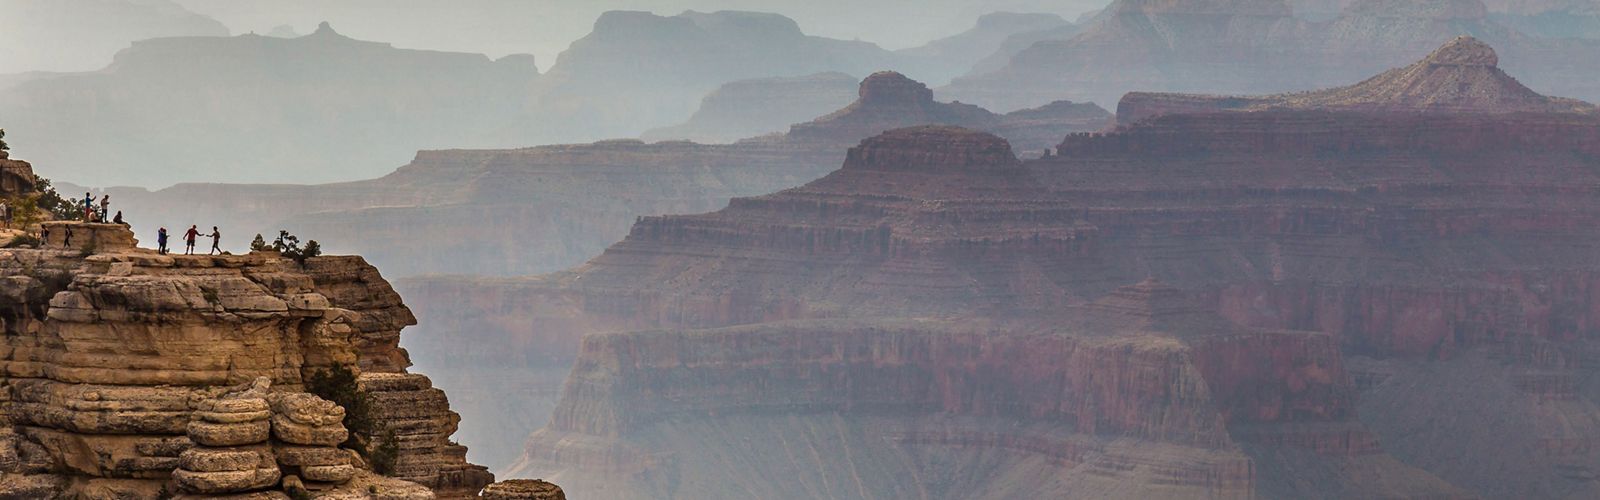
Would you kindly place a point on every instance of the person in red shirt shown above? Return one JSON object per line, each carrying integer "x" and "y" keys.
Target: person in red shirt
{"x": 188, "y": 238}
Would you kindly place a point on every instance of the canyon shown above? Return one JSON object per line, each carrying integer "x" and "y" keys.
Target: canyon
{"x": 1347, "y": 293}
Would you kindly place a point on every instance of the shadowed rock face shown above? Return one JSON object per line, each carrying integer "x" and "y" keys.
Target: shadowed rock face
{"x": 1254, "y": 47}
{"x": 1408, "y": 240}
{"x": 124, "y": 368}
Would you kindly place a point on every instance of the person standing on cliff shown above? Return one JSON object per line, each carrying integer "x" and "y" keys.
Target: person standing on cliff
{"x": 88, "y": 207}
{"x": 161, "y": 241}
{"x": 105, "y": 208}
{"x": 216, "y": 239}
{"x": 188, "y": 238}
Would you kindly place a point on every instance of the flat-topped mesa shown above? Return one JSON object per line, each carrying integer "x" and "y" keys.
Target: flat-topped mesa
{"x": 932, "y": 148}
{"x": 1460, "y": 77}
{"x": 892, "y": 88}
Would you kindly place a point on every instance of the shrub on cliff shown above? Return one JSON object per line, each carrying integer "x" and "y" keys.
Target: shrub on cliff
{"x": 289, "y": 245}
{"x": 3, "y": 145}
{"x": 51, "y": 201}
{"x": 338, "y": 384}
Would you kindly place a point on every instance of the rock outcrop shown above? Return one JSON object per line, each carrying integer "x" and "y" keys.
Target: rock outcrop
{"x": 888, "y": 100}
{"x": 934, "y": 313}
{"x": 16, "y": 176}
{"x": 127, "y": 373}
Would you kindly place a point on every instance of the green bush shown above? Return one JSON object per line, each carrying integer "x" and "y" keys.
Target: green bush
{"x": 289, "y": 245}
{"x": 3, "y": 145}
{"x": 339, "y": 385}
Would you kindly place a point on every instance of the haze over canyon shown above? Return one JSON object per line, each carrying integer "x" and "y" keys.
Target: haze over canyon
{"x": 1007, "y": 249}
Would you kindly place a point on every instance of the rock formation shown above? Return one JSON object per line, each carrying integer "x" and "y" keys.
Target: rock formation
{"x": 1259, "y": 46}
{"x": 748, "y": 108}
{"x": 941, "y": 318}
{"x": 16, "y": 176}
{"x": 888, "y": 100}
{"x": 523, "y": 489}
{"x": 128, "y": 374}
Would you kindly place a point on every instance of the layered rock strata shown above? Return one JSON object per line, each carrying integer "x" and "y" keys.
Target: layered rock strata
{"x": 127, "y": 373}
{"x": 1419, "y": 242}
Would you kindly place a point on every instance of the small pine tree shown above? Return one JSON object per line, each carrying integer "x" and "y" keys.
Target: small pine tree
{"x": 312, "y": 249}
{"x": 3, "y": 145}
{"x": 259, "y": 244}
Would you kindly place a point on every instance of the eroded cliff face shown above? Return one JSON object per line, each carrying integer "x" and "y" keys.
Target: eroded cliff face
{"x": 1140, "y": 395}
{"x": 128, "y": 373}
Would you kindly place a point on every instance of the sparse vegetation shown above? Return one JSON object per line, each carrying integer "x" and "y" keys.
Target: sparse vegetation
{"x": 51, "y": 201}
{"x": 259, "y": 244}
{"x": 289, "y": 245}
{"x": 3, "y": 145}
{"x": 339, "y": 385}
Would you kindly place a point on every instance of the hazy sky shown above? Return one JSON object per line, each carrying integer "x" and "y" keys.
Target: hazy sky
{"x": 545, "y": 27}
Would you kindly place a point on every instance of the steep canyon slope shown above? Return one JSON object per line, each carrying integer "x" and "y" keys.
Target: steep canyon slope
{"x": 941, "y": 319}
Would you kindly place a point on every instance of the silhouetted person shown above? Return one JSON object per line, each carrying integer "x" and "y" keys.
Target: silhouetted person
{"x": 118, "y": 218}
{"x": 44, "y": 236}
{"x": 67, "y": 240}
{"x": 161, "y": 241}
{"x": 105, "y": 207}
{"x": 216, "y": 240}
{"x": 188, "y": 239}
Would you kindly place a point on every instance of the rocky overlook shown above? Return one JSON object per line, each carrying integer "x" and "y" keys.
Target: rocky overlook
{"x": 129, "y": 374}
{"x": 1407, "y": 265}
